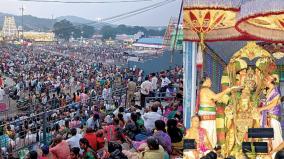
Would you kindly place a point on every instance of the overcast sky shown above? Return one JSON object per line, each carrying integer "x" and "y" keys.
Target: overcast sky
{"x": 157, "y": 17}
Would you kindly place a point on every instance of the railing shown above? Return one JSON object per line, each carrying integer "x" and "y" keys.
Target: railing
{"x": 38, "y": 128}
{"x": 158, "y": 96}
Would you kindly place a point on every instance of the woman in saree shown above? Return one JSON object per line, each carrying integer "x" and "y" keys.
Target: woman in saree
{"x": 271, "y": 112}
{"x": 199, "y": 134}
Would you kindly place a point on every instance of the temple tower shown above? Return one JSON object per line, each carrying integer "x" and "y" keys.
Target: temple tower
{"x": 10, "y": 30}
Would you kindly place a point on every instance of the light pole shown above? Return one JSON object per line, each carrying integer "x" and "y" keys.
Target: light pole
{"x": 22, "y": 11}
{"x": 82, "y": 32}
{"x": 72, "y": 36}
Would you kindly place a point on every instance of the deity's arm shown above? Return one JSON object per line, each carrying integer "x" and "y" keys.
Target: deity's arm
{"x": 271, "y": 105}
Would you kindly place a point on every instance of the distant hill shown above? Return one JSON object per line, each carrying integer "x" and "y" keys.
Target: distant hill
{"x": 75, "y": 19}
{"x": 45, "y": 24}
{"x": 79, "y": 20}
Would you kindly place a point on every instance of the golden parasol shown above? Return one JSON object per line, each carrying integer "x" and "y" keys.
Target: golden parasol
{"x": 262, "y": 19}
{"x": 209, "y": 20}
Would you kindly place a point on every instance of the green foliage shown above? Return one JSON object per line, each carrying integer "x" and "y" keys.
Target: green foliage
{"x": 108, "y": 32}
{"x": 88, "y": 31}
{"x": 64, "y": 29}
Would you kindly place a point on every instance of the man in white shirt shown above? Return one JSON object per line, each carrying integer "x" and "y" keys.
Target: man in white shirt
{"x": 74, "y": 140}
{"x": 154, "y": 81}
{"x": 165, "y": 83}
{"x": 146, "y": 87}
{"x": 151, "y": 117}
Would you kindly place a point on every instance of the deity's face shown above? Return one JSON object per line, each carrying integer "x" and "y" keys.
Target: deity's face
{"x": 207, "y": 82}
{"x": 195, "y": 122}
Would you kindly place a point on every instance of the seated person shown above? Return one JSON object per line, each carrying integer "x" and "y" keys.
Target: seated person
{"x": 199, "y": 134}
{"x": 151, "y": 149}
{"x": 162, "y": 136}
{"x": 154, "y": 150}
{"x": 176, "y": 135}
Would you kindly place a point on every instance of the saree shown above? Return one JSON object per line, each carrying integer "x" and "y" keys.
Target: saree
{"x": 271, "y": 118}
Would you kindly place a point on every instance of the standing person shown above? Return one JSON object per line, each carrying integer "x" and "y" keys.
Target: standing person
{"x": 60, "y": 148}
{"x": 84, "y": 98}
{"x": 94, "y": 122}
{"x": 106, "y": 94}
{"x": 165, "y": 83}
{"x": 2, "y": 103}
{"x": 1, "y": 81}
{"x": 74, "y": 140}
{"x": 91, "y": 136}
{"x": 271, "y": 113}
{"x": 154, "y": 81}
{"x": 75, "y": 153}
{"x": 131, "y": 88}
{"x": 207, "y": 109}
{"x": 45, "y": 153}
{"x": 88, "y": 152}
{"x": 146, "y": 87}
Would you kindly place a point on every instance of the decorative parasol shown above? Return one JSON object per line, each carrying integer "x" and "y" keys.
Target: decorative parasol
{"x": 262, "y": 19}
{"x": 209, "y": 20}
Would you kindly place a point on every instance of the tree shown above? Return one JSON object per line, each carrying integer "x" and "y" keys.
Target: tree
{"x": 63, "y": 29}
{"x": 88, "y": 31}
{"x": 122, "y": 29}
{"x": 108, "y": 32}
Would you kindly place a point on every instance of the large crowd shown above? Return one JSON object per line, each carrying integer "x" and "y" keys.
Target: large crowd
{"x": 77, "y": 112}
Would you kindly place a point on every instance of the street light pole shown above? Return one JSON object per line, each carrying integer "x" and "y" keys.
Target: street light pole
{"x": 82, "y": 32}
{"x": 22, "y": 11}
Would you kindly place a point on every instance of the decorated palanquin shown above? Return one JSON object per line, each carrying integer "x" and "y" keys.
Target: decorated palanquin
{"x": 236, "y": 112}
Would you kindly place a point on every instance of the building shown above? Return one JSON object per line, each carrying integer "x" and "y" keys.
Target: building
{"x": 178, "y": 44}
{"x": 148, "y": 44}
{"x": 138, "y": 35}
{"x": 39, "y": 36}
{"x": 10, "y": 31}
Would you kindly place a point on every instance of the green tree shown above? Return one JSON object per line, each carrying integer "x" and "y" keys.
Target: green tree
{"x": 108, "y": 32}
{"x": 88, "y": 31}
{"x": 122, "y": 29}
{"x": 63, "y": 29}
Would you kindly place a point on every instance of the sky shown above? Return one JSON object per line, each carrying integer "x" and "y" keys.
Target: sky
{"x": 156, "y": 17}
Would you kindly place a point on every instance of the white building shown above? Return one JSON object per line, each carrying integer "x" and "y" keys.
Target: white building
{"x": 10, "y": 30}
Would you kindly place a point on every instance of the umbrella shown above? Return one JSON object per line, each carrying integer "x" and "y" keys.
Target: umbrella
{"x": 262, "y": 19}
{"x": 210, "y": 20}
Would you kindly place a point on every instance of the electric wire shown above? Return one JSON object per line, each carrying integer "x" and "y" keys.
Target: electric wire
{"x": 121, "y": 16}
{"x": 84, "y": 2}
